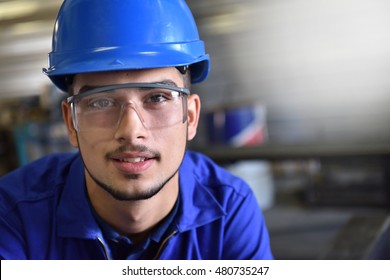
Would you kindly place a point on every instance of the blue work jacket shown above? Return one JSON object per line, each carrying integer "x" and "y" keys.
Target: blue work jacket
{"x": 45, "y": 214}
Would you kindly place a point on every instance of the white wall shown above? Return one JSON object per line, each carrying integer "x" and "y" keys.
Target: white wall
{"x": 321, "y": 67}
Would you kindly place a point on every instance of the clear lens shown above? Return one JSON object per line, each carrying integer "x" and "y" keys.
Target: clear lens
{"x": 156, "y": 107}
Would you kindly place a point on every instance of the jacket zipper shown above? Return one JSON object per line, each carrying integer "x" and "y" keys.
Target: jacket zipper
{"x": 104, "y": 248}
{"x": 159, "y": 251}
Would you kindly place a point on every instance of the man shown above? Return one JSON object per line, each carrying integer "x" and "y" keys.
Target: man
{"x": 132, "y": 191}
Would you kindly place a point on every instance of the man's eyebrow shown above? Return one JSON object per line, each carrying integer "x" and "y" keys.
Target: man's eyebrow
{"x": 85, "y": 88}
{"x": 167, "y": 82}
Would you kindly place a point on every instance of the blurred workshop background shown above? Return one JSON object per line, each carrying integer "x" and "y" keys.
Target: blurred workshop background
{"x": 296, "y": 103}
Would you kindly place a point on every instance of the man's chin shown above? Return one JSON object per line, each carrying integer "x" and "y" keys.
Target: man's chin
{"x": 123, "y": 195}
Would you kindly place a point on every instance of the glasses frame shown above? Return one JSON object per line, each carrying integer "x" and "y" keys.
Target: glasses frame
{"x": 72, "y": 99}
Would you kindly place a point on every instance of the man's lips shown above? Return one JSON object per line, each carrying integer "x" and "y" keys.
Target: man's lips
{"x": 132, "y": 156}
{"x": 132, "y": 160}
{"x": 132, "y": 163}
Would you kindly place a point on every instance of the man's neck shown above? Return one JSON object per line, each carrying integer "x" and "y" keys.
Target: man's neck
{"x": 134, "y": 219}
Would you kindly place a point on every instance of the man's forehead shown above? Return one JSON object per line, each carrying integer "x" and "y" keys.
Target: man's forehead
{"x": 131, "y": 73}
{"x": 155, "y": 75}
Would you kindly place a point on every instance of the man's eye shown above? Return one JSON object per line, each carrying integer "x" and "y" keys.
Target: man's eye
{"x": 158, "y": 98}
{"x": 101, "y": 103}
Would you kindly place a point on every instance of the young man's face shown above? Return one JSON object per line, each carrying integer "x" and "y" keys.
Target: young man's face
{"x": 130, "y": 160}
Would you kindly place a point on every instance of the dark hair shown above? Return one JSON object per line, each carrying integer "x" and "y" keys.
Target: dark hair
{"x": 187, "y": 79}
{"x": 69, "y": 81}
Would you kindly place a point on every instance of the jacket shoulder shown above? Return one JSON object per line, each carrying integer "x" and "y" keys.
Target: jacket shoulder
{"x": 212, "y": 175}
{"x": 36, "y": 180}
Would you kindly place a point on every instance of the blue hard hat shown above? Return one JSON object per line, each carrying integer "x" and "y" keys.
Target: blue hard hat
{"x": 107, "y": 35}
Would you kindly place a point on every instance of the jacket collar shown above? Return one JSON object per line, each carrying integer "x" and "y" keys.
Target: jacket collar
{"x": 76, "y": 219}
{"x": 74, "y": 213}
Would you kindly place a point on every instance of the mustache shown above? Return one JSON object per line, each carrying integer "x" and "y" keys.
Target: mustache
{"x": 132, "y": 149}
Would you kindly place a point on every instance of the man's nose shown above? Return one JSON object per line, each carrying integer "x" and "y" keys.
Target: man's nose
{"x": 131, "y": 123}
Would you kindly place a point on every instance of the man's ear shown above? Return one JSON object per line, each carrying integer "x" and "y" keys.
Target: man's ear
{"x": 67, "y": 116}
{"x": 193, "y": 115}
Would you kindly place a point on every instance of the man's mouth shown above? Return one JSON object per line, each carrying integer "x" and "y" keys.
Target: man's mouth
{"x": 132, "y": 160}
{"x": 132, "y": 165}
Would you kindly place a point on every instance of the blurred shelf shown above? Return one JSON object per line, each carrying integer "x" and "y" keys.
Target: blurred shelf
{"x": 276, "y": 151}
{"x": 330, "y": 175}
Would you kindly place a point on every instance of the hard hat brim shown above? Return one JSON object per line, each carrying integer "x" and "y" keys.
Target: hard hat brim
{"x": 121, "y": 58}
